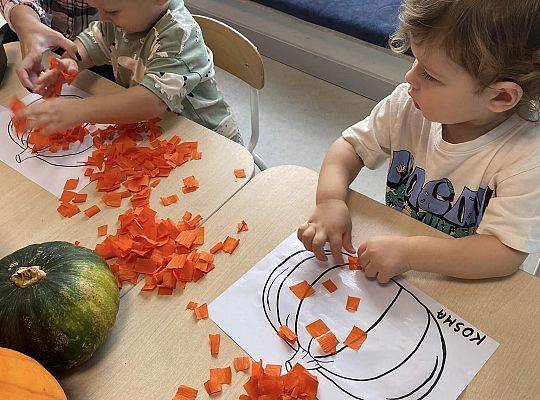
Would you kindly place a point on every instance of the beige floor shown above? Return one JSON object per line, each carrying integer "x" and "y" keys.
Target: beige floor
{"x": 300, "y": 117}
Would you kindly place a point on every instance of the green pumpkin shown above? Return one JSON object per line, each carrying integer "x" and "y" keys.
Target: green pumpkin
{"x": 58, "y": 303}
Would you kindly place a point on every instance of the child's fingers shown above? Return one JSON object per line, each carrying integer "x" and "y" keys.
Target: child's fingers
{"x": 362, "y": 250}
{"x": 301, "y": 229}
{"x": 347, "y": 242}
{"x": 335, "y": 247}
{"x": 371, "y": 270}
{"x": 318, "y": 245}
{"x": 307, "y": 237}
{"x": 383, "y": 278}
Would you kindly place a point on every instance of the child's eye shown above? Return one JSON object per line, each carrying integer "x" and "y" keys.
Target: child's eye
{"x": 427, "y": 76}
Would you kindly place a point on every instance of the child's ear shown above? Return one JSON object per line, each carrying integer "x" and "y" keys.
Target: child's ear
{"x": 503, "y": 96}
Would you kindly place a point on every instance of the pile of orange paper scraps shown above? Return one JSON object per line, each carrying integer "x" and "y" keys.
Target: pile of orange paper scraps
{"x": 161, "y": 250}
{"x": 268, "y": 383}
{"x": 52, "y": 143}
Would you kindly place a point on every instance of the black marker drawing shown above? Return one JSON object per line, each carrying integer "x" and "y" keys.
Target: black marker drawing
{"x": 417, "y": 367}
{"x": 67, "y": 158}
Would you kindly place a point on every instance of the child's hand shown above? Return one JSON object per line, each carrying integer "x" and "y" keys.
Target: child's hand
{"x": 331, "y": 222}
{"x": 47, "y": 81}
{"x": 52, "y": 115}
{"x": 384, "y": 257}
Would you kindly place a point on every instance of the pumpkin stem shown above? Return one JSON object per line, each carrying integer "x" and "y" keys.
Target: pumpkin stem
{"x": 27, "y": 276}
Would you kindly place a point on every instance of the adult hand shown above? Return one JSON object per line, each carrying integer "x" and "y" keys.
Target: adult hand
{"x": 35, "y": 39}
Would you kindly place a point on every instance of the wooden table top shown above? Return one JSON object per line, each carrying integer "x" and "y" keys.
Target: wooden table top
{"x": 157, "y": 345}
{"x": 28, "y": 211}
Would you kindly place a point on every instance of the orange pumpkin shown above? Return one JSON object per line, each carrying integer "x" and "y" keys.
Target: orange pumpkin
{"x": 22, "y": 378}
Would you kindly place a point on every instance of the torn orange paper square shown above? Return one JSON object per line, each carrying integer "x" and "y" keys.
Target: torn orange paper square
{"x": 287, "y": 334}
{"x": 185, "y": 393}
{"x": 240, "y": 173}
{"x": 241, "y": 363}
{"x": 214, "y": 343}
{"x": 242, "y": 227}
{"x": 217, "y": 247}
{"x": 92, "y": 211}
{"x": 201, "y": 312}
{"x": 71, "y": 184}
{"x": 356, "y": 338}
{"x": 230, "y": 244}
{"x": 167, "y": 201}
{"x": 328, "y": 342}
{"x": 352, "y": 303}
{"x": 353, "y": 264}
{"x": 317, "y": 328}
{"x": 102, "y": 230}
{"x": 302, "y": 290}
{"x": 330, "y": 285}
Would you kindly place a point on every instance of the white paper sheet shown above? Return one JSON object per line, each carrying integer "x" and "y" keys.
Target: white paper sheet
{"x": 416, "y": 348}
{"x": 49, "y": 170}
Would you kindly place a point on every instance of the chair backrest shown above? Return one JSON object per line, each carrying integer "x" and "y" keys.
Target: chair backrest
{"x": 233, "y": 52}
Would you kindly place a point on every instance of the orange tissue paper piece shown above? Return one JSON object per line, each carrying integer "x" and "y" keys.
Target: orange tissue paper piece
{"x": 217, "y": 247}
{"x": 242, "y": 227}
{"x": 201, "y": 312}
{"x": 92, "y": 211}
{"x": 185, "y": 393}
{"x": 71, "y": 184}
{"x": 68, "y": 210}
{"x": 102, "y": 230}
{"x": 317, "y": 328}
{"x": 353, "y": 264}
{"x": 330, "y": 286}
{"x": 214, "y": 343}
{"x": 167, "y": 201}
{"x": 191, "y": 306}
{"x": 356, "y": 338}
{"x": 230, "y": 244}
{"x": 190, "y": 184}
{"x": 328, "y": 342}
{"x": 240, "y": 173}
{"x": 268, "y": 384}
{"x": 287, "y": 334}
{"x": 241, "y": 363}
{"x": 352, "y": 303}
{"x": 302, "y": 290}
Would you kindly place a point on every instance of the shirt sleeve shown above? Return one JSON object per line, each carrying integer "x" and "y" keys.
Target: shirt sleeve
{"x": 97, "y": 39}
{"x": 174, "y": 71}
{"x": 513, "y": 214}
{"x": 7, "y": 5}
{"x": 371, "y": 137}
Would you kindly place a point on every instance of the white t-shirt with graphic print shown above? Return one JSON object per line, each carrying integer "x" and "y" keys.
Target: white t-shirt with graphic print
{"x": 490, "y": 185}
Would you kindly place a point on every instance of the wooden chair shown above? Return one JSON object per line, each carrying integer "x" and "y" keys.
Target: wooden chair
{"x": 234, "y": 53}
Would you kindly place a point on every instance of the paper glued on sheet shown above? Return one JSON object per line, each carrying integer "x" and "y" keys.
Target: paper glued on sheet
{"x": 399, "y": 343}
{"x": 49, "y": 168}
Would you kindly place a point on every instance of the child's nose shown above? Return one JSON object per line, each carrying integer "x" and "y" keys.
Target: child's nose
{"x": 412, "y": 78}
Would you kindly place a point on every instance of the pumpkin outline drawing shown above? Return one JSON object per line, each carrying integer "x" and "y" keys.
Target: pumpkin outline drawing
{"x": 43, "y": 155}
{"x": 321, "y": 364}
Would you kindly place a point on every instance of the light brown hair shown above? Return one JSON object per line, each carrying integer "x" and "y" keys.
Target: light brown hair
{"x": 494, "y": 41}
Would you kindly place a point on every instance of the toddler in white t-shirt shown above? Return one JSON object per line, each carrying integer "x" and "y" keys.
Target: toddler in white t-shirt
{"x": 463, "y": 140}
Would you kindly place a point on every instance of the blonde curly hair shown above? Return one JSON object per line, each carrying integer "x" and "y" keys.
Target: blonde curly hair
{"x": 497, "y": 40}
